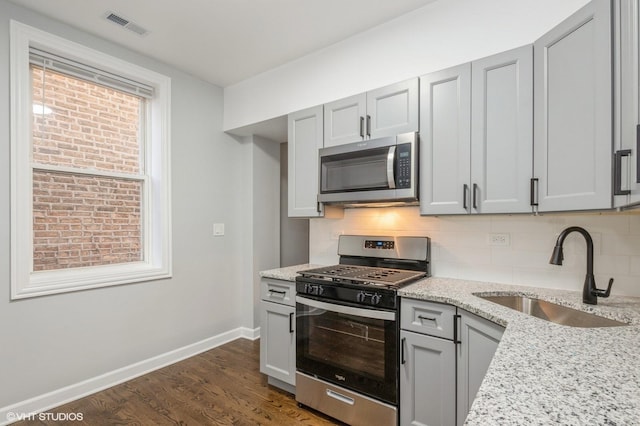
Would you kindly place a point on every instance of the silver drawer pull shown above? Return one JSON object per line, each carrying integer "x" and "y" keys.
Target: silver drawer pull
{"x": 426, "y": 318}
{"x": 278, "y": 292}
{"x": 340, "y": 397}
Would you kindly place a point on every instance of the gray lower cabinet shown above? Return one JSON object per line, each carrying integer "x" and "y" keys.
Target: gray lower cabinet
{"x": 277, "y": 333}
{"x": 427, "y": 363}
{"x": 479, "y": 339}
{"x": 573, "y": 112}
{"x": 444, "y": 356}
{"x": 427, "y": 380}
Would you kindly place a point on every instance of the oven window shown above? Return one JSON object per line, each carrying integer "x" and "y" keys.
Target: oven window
{"x": 353, "y": 351}
{"x": 344, "y": 341}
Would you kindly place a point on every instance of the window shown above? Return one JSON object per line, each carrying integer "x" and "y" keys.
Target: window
{"x": 90, "y": 170}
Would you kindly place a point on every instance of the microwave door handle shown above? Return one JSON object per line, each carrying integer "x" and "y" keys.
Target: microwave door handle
{"x": 391, "y": 160}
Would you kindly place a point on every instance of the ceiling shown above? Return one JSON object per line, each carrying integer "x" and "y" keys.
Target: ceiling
{"x": 226, "y": 41}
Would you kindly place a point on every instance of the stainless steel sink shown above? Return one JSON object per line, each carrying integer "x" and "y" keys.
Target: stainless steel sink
{"x": 552, "y": 312}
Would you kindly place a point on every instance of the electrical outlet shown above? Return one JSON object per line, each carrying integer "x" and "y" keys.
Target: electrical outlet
{"x": 499, "y": 240}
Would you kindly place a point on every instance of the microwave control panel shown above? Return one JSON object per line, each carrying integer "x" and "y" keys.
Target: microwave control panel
{"x": 403, "y": 166}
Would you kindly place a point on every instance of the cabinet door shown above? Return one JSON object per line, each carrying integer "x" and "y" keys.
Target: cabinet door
{"x": 427, "y": 380}
{"x": 445, "y": 109}
{"x": 305, "y": 139}
{"x": 344, "y": 120}
{"x": 573, "y": 110}
{"x": 393, "y": 109}
{"x": 628, "y": 92}
{"x": 502, "y": 132}
{"x": 278, "y": 341}
{"x": 479, "y": 340}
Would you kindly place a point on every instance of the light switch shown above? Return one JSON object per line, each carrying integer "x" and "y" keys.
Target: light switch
{"x": 218, "y": 229}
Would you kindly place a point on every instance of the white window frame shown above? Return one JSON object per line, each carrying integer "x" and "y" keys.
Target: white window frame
{"x": 156, "y": 215}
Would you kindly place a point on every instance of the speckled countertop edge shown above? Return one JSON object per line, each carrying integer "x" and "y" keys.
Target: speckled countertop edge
{"x": 544, "y": 373}
{"x": 288, "y": 273}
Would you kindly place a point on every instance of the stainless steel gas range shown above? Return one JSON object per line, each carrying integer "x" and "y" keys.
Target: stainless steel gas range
{"x": 347, "y": 319}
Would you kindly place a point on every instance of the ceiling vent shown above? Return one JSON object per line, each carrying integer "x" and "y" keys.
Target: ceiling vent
{"x": 125, "y": 23}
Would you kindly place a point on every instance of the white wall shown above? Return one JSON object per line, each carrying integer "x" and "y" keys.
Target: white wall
{"x": 437, "y": 36}
{"x": 50, "y": 342}
{"x": 265, "y": 222}
{"x": 460, "y": 248}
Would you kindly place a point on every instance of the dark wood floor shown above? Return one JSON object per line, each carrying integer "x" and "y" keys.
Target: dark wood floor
{"x": 222, "y": 386}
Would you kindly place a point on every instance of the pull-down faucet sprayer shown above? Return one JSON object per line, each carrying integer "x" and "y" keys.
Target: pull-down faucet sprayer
{"x": 590, "y": 292}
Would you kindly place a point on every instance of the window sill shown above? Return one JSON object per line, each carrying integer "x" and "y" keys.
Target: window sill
{"x": 77, "y": 279}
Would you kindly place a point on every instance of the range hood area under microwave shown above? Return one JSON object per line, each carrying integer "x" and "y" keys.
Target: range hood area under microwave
{"x": 380, "y": 171}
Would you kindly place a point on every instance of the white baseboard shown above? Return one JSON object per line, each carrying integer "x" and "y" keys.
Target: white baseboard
{"x": 42, "y": 403}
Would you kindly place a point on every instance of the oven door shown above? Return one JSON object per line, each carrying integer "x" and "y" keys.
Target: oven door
{"x": 352, "y": 347}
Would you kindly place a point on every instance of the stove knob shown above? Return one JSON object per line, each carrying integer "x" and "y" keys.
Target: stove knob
{"x": 308, "y": 288}
{"x": 375, "y": 299}
{"x": 319, "y": 290}
{"x": 361, "y": 296}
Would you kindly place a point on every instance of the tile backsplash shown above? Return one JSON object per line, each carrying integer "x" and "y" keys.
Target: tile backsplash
{"x": 462, "y": 246}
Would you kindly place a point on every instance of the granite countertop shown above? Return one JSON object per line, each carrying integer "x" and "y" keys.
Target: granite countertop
{"x": 543, "y": 373}
{"x": 288, "y": 273}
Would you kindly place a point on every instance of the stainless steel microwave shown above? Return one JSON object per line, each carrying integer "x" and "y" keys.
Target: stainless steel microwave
{"x": 375, "y": 170}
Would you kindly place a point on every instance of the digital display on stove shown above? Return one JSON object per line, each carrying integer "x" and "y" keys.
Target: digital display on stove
{"x": 377, "y": 244}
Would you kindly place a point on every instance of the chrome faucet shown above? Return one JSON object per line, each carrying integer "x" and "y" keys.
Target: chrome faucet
{"x": 590, "y": 292}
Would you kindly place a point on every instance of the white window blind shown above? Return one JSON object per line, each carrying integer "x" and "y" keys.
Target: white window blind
{"x": 54, "y": 62}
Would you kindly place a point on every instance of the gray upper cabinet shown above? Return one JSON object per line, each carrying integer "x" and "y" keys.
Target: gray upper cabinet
{"x": 627, "y": 116}
{"x": 393, "y": 109}
{"x": 502, "y": 132}
{"x": 573, "y": 112}
{"x": 345, "y": 120}
{"x": 304, "y": 141}
{"x": 477, "y": 136}
{"x": 445, "y": 111}
{"x": 387, "y": 111}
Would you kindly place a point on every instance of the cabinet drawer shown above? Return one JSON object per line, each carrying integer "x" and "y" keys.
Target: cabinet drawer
{"x": 278, "y": 291}
{"x": 434, "y": 319}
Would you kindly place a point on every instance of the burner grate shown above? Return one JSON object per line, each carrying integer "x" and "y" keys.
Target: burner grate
{"x": 364, "y": 274}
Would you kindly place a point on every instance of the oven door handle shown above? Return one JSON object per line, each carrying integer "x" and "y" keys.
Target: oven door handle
{"x": 348, "y": 310}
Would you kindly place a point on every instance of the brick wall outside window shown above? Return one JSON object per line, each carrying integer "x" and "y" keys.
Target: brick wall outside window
{"x": 82, "y": 219}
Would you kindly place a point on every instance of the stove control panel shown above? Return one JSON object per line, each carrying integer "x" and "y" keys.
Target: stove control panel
{"x": 379, "y": 244}
{"x": 367, "y": 296}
